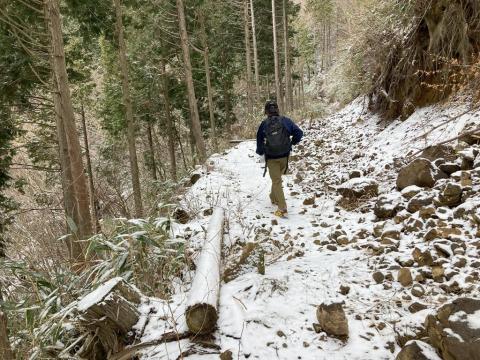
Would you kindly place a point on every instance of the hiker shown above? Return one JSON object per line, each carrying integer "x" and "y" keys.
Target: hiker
{"x": 275, "y": 138}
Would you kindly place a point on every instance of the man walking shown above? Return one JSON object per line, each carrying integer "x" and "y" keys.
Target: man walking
{"x": 275, "y": 138}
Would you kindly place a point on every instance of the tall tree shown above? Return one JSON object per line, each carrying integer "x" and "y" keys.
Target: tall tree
{"x": 278, "y": 90}
{"x": 255, "y": 52}
{"x": 248, "y": 55}
{"x": 76, "y": 197}
{"x": 206, "y": 56}
{"x": 288, "y": 69}
{"x": 127, "y": 103}
{"x": 192, "y": 99}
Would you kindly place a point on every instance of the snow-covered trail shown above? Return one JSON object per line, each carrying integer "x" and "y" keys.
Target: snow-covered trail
{"x": 271, "y": 316}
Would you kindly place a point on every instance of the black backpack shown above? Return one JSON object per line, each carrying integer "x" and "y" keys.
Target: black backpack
{"x": 277, "y": 138}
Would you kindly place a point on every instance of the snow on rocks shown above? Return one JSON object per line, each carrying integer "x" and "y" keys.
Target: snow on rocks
{"x": 358, "y": 187}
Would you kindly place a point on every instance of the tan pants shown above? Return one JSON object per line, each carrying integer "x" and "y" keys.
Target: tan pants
{"x": 276, "y": 168}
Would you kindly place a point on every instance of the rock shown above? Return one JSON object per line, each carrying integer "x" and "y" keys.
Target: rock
{"x": 449, "y": 168}
{"x": 309, "y": 201}
{"x": 386, "y": 206}
{"x": 439, "y": 152}
{"x": 344, "y": 289}
{"x": 417, "y": 290}
{"x": 438, "y": 273}
{"x": 226, "y": 355}
{"x": 181, "y": 216}
{"x": 450, "y": 195}
{"x": 404, "y": 277}
{"x": 422, "y": 258}
{"x": 420, "y": 201}
{"x": 476, "y": 162}
{"x": 419, "y": 172}
{"x": 417, "y": 350}
{"x": 427, "y": 212}
{"x": 470, "y": 139}
{"x": 410, "y": 191}
{"x": 195, "y": 177}
{"x": 391, "y": 234}
{"x": 358, "y": 187}
{"x": 332, "y": 320}
{"x": 378, "y": 277}
{"x": 416, "y": 307}
{"x": 467, "y": 209}
{"x": 413, "y": 225}
{"x": 452, "y": 331}
{"x": 355, "y": 174}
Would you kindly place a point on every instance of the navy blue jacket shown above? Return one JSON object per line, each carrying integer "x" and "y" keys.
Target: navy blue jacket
{"x": 295, "y": 132}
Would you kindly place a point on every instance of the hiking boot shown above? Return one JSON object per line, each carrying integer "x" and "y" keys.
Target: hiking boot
{"x": 281, "y": 213}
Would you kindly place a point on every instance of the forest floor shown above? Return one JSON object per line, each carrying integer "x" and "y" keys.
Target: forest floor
{"x": 271, "y": 316}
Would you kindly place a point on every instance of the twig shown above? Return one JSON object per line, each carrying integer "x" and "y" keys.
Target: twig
{"x": 165, "y": 338}
{"x": 446, "y": 122}
{"x": 473, "y": 132}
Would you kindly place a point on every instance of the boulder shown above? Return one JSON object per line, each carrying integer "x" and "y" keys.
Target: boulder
{"x": 450, "y": 195}
{"x": 470, "y": 139}
{"x": 417, "y": 350}
{"x": 332, "y": 320}
{"x": 419, "y": 172}
{"x": 358, "y": 188}
{"x": 439, "y": 152}
{"x": 405, "y": 277}
{"x": 420, "y": 201}
{"x": 387, "y": 206}
{"x": 410, "y": 191}
{"x": 455, "y": 330}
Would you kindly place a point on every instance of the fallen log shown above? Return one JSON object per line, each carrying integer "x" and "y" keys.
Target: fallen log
{"x": 107, "y": 315}
{"x": 201, "y": 313}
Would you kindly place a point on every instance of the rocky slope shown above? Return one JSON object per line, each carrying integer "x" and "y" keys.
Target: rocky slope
{"x": 378, "y": 260}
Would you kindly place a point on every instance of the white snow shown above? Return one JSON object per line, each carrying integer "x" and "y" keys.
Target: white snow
{"x": 98, "y": 295}
{"x": 272, "y": 316}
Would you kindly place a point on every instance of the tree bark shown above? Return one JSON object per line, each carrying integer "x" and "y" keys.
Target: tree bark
{"x": 192, "y": 100}
{"x": 151, "y": 148}
{"x": 127, "y": 103}
{"x": 90, "y": 172}
{"x": 5, "y": 348}
{"x": 248, "y": 55}
{"x": 288, "y": 69}
{"x": 169, "y": 120}
{"x": 278, "y": 91}
{"x": 206, "y": 58}
{"x": 76, "y": 199}
{"x": 255, "y": 53}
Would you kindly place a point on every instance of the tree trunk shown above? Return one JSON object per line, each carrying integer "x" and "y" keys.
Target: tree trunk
{"x": 192, "y": 100}
{"x": 202, "y": 305}
{"x": 151, "y": 148}
{"x": 127, "y": 103}
{"x": 206, "y": 59}
{"x": 288, "y": 69}
{"x": 170, "y": 125}
{"x": 74, "y": 182}
{"x": 5, "y": 348}
{"x": 91, "y": 184}
{"x": 255, "y": 53}
{"x": 248, "y": 56}
{"x": 278, "y": 91}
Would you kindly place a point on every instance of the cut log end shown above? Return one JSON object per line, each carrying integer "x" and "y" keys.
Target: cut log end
{"x": 201, "y": 319}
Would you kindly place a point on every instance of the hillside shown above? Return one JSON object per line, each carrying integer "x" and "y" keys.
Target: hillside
{"x": 331, "y": 248}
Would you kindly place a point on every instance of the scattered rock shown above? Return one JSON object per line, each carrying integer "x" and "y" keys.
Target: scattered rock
{"x": 344, "y": 289}
{"x": 332, "y": 320}
{"x": 195, "y": 177}
{"x": 419, "y": 201}
{"x": 416, "y": 307}
{"x": 419, "y": 172}
{"x": 449, "y": 168}
{"x": 451, "y": 195}
{"x": 423, "y": 258}
{"x": 355, "y": 174}
{"x": 405, "y": 277}
{"x": 181, "y": 215}
{"x": 386, "y": 206}
{"x": 378, "y": 277}
{"x": 453, "y": 331}
{"x": 417, "y": 350}
{"x": 226, "y": 355}
{"x": 309, "y": 201}
{"x": 358, "y": 188}
{"x": 410, "y": 191}
{"x": 436, "y": 152}
{"x": 418, "y": 290}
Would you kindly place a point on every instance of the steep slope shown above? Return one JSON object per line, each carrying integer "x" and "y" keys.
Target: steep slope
{"x": 327, "y": 251}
